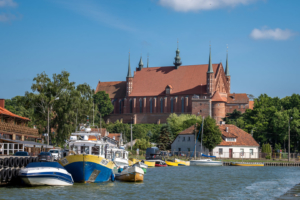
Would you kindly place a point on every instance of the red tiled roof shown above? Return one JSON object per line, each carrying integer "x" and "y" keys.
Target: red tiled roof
{"x": 102, "y": 132}
{"x": 115, "y": 89}
{"x": 116, "y": 135}
{"x": 237, "y": 98}
{"x": 188, "y": 131}
{"x": 217, "y": 97}
{"x": 242, "y": 138}
{"x": 3, "y": 111}
{"x": 184, "y": 80}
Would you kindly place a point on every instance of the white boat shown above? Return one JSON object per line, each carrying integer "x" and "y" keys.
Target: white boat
{"x": 206, "y": 162}
{"x": 118, "y": 156}
{"x": 45, "y": 173}
{"x": 131, "y": 174}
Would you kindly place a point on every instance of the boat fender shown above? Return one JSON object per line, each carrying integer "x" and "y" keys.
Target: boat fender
{"x": 112, "y": 177}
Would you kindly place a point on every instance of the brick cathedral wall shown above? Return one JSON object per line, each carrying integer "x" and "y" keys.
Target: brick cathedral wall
{"x": 239, "y": 107}
{"x": 200, "y": 106}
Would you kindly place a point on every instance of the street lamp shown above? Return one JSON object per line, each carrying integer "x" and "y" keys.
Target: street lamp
{"x": 289, "y": 138}
{"x": 48, "y": 120}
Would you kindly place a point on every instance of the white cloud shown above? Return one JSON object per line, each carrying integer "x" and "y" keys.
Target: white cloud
{"x": 272, "y": 34}
{"x": 7, "y": 3}
{"x": 195, "y": 5}
{"x": 4, "y": 17}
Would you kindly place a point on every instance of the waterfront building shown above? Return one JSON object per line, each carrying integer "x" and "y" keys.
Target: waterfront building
{"x": 236, "y": 143}
{"x": 15, "y": 135}
{"x": 151, "y": 94}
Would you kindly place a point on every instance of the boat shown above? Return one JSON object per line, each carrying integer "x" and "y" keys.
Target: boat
{"x": 160, "y": 164}
{"x": 204, "y": 162}
{"x": 171, "y": 163}
{"x": 131, "y": 174}
{"x": 118, "y": 156}
{"x": 45, "y": 173}
{"x": 149, "y": 163}
{"x": 87, "y": 158}
{"x": 247, "y": 164}
{"x": 182, "y": 162}
{"x": 134, "y": 160}
{"x": 142, "y": 165}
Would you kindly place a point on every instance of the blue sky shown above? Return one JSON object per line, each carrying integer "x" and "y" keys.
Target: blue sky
{"x": 91, "y": 39}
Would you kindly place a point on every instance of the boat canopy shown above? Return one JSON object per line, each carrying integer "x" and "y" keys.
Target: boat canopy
{"x": 208, "y": 156}
{"x": 44, "y": 164}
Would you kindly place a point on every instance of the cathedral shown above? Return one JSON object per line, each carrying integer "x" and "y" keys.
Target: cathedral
{"x": 151, "y": 94}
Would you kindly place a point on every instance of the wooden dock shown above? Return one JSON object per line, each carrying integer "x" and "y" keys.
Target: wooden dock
{"x": 274, "y": 164}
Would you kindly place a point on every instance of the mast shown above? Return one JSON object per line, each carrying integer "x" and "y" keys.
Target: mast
{"x": 201, "y": 137}
{"x": 131, "y": 134}
{"x": 195, "y": 141}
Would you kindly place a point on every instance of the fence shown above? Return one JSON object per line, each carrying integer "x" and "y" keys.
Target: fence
{"x": 187, "y": 155}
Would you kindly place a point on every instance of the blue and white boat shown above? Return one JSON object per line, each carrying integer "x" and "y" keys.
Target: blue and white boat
{"x": 45, "y": 173}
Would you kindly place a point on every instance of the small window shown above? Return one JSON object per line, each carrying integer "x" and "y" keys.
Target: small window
{"x": 189, "y": 139}
{"x": 183, "y": 139}
{"x": 242, "y": 152}
{"x": 220, "y": 151}
{"x": 200, "y": 110}
{"x": 244, "y": 106}
{"x": 251, "y": 151}
{"x": 179, "y": 149}
{"x": 239, "y": 106}
{"x": 189, "y": 149}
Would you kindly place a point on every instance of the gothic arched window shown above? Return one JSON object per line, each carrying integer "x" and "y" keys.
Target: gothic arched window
{"x": 172, "y": 105}
{"x": 120, "y": 106}
{"x": 141, "y": 106}
{"x": 182, "y": 104}
{"x": 161, "y": 105}
{"x": 150, "y": 103}
{"x": 130, "y": 105}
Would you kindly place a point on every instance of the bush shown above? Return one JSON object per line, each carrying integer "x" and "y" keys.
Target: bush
{"x": 268, "y": 157}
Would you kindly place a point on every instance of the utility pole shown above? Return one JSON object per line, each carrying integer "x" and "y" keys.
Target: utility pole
{"x": 48, "y": 130}
{"x": 289, "y": 138}
{"x": 93, "y": 113}
{"x": 195, "y": 152}
{"x": 131, "y": 134}
{"x": 76, "y": 119}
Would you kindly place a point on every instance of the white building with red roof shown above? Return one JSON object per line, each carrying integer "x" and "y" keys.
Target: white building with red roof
{"x": 236, "y": 143}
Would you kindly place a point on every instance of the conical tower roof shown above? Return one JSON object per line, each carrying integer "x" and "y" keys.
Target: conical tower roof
{"x": 141, "y": 64}
{"x": 129, "y": 69}
{"x": 227, "y": 66}
{"x": 210, "y": 69}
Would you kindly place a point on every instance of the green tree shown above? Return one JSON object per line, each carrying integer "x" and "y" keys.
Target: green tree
{"x": 142, "y": 144}
{"x": 103, "y": 103}
{"x": 63, "y": 100}
{"x": 165, "y": 137}
{"x": 181, "y": 122}
{"x": 211, "y": 134}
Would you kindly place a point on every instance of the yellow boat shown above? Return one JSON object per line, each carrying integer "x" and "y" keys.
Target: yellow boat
{"x": 134, "y": 160}
{"x": 247, "y": 164}
{"x": 130, "y": 163}
{"x": 182, "y": 162}
{"x": 170, "y": 163}
{"x": 150, "y": 164}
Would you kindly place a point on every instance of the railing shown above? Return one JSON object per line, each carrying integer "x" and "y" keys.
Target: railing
{"x": 18, "y": 129}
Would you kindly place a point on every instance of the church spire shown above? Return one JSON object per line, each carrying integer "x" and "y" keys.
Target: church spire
{"x": 177, "y": 62}
{"x": 210, "y": 69}
{"x": 148, "y": 61}
{"x": 227, "y": 67}
{"x": 141, "y": 64}
{"x": 129, "y": 70}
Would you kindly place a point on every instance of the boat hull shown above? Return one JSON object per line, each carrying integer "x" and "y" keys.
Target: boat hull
{"x": 88, "y": 168}
{"x": 182, "y": 163}
{"x": 150, "y": 164}
{"x": 173, "y": 164}
{"x": 131, "y": 174}
{"x": 158, "y": 165}
{"x": 44, "y": 180}
{"x": 247, "y": 164}
{"x": 205, "y": 163}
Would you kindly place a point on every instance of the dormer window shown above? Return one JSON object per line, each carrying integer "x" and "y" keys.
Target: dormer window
{"x": 168, "y": 89}
{"x": 230, "y": 139}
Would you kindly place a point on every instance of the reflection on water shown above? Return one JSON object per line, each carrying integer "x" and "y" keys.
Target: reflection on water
{"x": 179, "y": 183}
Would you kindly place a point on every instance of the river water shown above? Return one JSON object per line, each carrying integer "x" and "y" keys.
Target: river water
{"x": 192, "y": 182}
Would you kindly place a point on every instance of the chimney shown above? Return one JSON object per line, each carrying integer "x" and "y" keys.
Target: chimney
{"x": 2, "y": 103}
{"x": 227, "y": 129}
